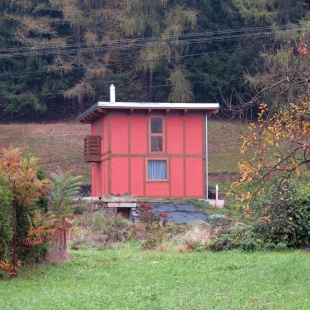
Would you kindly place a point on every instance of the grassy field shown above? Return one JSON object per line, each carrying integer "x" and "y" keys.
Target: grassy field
{"x": 61, "y": 144}
{"x": 126, "y": 278}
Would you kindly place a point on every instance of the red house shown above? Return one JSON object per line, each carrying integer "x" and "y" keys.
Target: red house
{"x": 148, "y": 149}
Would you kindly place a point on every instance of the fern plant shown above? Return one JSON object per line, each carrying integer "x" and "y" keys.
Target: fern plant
{"x": 64, "y": 188}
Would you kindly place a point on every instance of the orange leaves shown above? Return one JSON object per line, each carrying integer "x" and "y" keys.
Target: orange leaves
{"x": 21, "y": 174}
{"x": 279, "y": 148}
{"x": 8, "y": 268}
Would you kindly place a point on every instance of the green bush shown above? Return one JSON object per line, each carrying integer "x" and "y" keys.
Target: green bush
{"x": 283, "y": 216}
{"x": 236, "y": 236}
{"x": 158, "y": 233}
{"x": 6, "y": 222}
{"x": 112, "y": 228}
{"x": 79, "y": 210}
{"x": 218, "y": 219}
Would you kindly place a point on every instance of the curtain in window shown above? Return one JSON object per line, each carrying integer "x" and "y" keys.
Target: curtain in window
{"x": 157, "y": 144}
{"x": 157, "y": 169}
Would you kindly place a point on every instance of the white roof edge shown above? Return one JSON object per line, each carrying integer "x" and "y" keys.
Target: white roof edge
{"x": 158, "y": 105}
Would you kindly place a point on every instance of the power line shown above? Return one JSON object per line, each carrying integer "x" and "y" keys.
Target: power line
{"x": 138, "y": 43}
{"x": 141, "y": 61}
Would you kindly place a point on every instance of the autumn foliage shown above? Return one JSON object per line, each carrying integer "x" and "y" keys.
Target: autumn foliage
{"x": 275, "y": 170}
{"x": 20, "y": 173}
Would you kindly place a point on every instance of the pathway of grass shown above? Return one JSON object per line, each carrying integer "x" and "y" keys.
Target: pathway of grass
{"x": 130, "y": 279}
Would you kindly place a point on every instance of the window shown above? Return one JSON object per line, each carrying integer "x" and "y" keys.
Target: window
{"x": 157, "y": 169}
{"x": 157, "y": 134}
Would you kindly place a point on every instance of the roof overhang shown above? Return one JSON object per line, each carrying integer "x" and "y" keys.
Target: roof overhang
{"x": 100, "y": 108}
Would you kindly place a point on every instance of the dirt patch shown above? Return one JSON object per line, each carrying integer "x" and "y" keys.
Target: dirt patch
{"x": 224, "y": 177}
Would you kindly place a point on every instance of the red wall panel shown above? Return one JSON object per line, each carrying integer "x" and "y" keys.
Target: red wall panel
{"x": 95, "y": 187}
{"x": 175, "y": 139}
{"x": 138, "y": 134}
{"x": 119, "y": 134}
{"x": 104, "y": 178}
{"x": 177, "y": 177}
{"x": 104, "y": 133}
{"x": 137, "y": 176}
{"x": 119, "y": 175}
{"x": 193, "y": 134}
{"x": 157, "y": 189}
{"x": 194, "y": 177}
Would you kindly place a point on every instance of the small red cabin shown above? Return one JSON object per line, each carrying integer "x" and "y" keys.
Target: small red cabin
{"x": 148, "y": 149}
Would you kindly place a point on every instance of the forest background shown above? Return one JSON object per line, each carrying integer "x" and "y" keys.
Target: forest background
{"x": 58, "y": 57}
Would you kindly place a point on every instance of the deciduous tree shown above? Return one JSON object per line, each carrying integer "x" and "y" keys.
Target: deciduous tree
{"x": 20, "y": 174}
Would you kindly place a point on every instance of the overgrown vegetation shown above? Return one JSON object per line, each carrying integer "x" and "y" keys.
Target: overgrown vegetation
{"x": 273, "y": 188}
{"x": 24, "y": 187}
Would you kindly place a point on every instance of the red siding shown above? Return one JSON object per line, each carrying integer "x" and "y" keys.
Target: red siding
{"x": 175, "y": 139}
{"x": 127, "y": 134}
{"x": 95, "y": 169}
{"x": 104, "y": 135}
{"x": 194, "y": 181}
{"x": 104, "y": 178}
{"x": 137, "y": 176}
{"x": 193, "y": 134}
{"x": 119, "y": 177}
{"x": 177, "y": 177}
{"x": 119, "y": 134}
{"x": 157, "y": 189}
{"x": 138, "y": 134}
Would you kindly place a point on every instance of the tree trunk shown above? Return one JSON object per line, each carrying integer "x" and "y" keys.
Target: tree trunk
{"x": 78, "y": 74}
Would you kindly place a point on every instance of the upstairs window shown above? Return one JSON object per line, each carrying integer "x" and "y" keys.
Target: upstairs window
{"x": 157, "y": 134}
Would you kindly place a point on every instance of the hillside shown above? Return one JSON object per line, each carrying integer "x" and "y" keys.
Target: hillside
{"x": 61, "y": 144}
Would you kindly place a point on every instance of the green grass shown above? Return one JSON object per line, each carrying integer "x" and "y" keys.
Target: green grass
{"x": 224, "y": 145}
{"x": 126, "y": 278}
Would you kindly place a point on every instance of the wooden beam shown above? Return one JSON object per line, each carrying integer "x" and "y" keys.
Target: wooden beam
{"x": 214, "y": 111}
{"x": 149, "y": 111}
{"x": 185, "y": 111}
{"x": 102, "y": 110}
{"x": 131, "y": 110}
{"x": 167, "y": 111}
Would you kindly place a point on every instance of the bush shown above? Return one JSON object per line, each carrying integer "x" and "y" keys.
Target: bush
{"x": 237, "y": 236}
{"x": 79, "y": 210}
{"x": 6, "y": 222}
{"x": 112, "y": 228}
{"x": 218, "y": 219}
{"x": 283, "y": 216}
{"x": 159, "y": 234}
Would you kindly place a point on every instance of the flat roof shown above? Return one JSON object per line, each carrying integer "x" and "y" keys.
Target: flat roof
{"x": 94, "y": 111}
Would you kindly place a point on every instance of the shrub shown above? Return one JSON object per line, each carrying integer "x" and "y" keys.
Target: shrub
{"x": 236, "y": 236}
{"x": 111, "y": 228}
{"x": 155, "y": 237}
{"x": 218, "y": 219}
{"x": 6, "y": 222}
{"x": 283, "y": 216}
{"x": 160, "y": 235}
{"x": 196, "y": 236}
{"x": 79, "y": 210}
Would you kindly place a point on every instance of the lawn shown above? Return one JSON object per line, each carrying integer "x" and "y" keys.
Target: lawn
{"x": 126, "y": 278}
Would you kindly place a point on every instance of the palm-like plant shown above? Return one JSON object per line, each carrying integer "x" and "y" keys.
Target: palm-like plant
{"x": 64, "y": 188}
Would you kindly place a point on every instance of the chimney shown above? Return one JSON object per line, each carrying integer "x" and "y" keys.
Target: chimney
{"x": 112, "y": 93}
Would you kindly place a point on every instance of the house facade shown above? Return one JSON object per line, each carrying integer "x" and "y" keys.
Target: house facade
{"x": 148, "y": 149}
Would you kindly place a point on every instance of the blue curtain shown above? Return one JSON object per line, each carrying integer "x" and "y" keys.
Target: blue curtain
{"x": 157, "y": 169}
